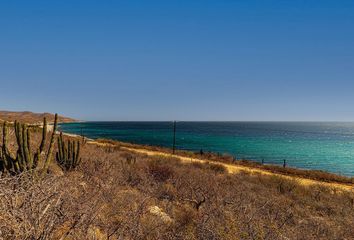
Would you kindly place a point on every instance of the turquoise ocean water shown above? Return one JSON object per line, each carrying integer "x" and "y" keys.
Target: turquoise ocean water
{"x": 325, "y": 146}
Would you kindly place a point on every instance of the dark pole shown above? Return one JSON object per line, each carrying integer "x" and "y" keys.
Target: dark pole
{"x": 174, "y": 137}
{"x": 82, "y": 134}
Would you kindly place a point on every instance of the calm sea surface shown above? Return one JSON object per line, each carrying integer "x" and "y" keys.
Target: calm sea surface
{"x": 310, "y": 145}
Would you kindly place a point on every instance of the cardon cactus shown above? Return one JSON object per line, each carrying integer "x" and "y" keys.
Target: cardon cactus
{"x": 25, "y": 159}
{"x": 68, "y": 155}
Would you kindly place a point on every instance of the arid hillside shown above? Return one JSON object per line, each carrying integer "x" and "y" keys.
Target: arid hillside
{"x": 30, "y": 117}
{"x": 118, "y": 192}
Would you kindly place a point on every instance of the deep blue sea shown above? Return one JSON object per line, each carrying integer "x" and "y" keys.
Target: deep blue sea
{"x": 325, "y": 146}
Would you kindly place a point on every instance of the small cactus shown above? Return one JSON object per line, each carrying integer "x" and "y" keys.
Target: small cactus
{"x": 25, "y": 160}
{"x": 68, "y": 154}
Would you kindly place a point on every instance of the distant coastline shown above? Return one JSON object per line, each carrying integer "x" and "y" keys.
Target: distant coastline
{"x": 31, "y": 117}
{"x": 302, "y": 176}
{"x": 313, "y": 146}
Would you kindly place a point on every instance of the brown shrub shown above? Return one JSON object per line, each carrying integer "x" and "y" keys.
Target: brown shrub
{"x": 166, "y": 191}
{"x": 217, "y": 168}
{"x": 214, "y": 167}
{"x": 226, "y": 158}
{"x": 185, "y": 216}
{"x": 159, "y": 170}
{"x": 109, "y": 197}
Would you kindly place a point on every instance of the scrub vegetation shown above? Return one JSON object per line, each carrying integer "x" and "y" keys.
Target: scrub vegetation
{"x": 225, "y": 158}
{"x": 112, "y": 193}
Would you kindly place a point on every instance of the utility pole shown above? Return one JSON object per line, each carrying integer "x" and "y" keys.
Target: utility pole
{"x": 174, "y": 137}
{"x": 82, "y": 134}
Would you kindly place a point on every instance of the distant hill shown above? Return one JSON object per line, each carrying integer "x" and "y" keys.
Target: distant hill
{"x": 30, "y": 117}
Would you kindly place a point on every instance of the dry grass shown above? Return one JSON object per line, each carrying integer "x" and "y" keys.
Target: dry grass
{"x": 225, "y": 158}
{"x": 116, "y": 194}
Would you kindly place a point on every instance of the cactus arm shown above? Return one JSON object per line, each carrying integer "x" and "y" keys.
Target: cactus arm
{"x": 71, "y": 154}
{"x": 71, "y": 163}
{"x": 68, "y": 155}
{"x": 40, "y": 151}
{"x": 4, "y": 149}
{"x": 50, "y": 150}
{"x": 65, "y": 152}
{"x": 61, "y": 147}
{"x": 44, "y": 135}
{"x": 17, "y": 127}
{"x": 31, "y": 160}
{"x": 59, "y": 155}
{"x": 26, "y": 152}
{"x": 67, "y": 159}
{"x": 5, "y": 139}
{"x": 12, "y": 162}
{"x": 24, "y": 159}
{"x": 16, "y": 166}
{"x": 20, "y": 158}
{"x": 77, "y": 154}
{"x": 36, "y": 159}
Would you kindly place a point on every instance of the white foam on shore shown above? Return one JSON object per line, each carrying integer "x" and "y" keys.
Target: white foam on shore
{"x": 74, "y": 135}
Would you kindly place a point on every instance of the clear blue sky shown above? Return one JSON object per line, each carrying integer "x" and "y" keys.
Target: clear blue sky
{"x": 183, "y": 59}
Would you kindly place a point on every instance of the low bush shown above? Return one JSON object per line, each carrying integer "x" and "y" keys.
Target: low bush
{"x": 112, "y": 195}
{"x": 225, "y": 158}
{"x": 215, "y": 167}
{"x": 159, "y": 170}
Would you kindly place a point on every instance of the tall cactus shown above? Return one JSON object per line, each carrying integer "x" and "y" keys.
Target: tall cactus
{"x": 51, "y": 144}
{"x": 68, "y": 155}
{"x": 25, "y": 160}
{"x": 5, "y": 154}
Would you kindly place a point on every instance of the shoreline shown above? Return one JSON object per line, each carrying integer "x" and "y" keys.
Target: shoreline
{"x": 303, "y": 147}
{"x": 232, "y": 168}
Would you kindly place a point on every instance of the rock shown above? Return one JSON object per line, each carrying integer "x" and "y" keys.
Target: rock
{"x": 155, "y": 210}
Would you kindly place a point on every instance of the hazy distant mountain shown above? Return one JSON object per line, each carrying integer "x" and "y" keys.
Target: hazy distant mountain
{"x": 30, "y": 117}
